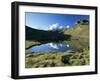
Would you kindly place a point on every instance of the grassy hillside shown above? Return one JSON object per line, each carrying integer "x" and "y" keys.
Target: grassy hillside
{"x": 79, "y": 35}
{"x": 79, "y": 31}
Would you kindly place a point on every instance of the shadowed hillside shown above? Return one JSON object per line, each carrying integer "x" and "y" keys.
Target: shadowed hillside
{"x": 41, "y": 35}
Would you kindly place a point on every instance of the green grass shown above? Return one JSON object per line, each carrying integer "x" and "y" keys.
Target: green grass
{"x": 29, "y": 43}
{"x": 80, "y": 36}
{"x": 53, "y": 59}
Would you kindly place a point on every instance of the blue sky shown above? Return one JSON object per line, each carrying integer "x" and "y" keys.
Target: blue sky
{"x": 44, "y": 20}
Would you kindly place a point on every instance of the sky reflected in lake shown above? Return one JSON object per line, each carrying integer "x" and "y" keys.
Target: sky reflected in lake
{"x": 50, "y": 47}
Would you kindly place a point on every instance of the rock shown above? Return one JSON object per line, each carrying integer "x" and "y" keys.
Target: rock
{"x": 65, "y": 59}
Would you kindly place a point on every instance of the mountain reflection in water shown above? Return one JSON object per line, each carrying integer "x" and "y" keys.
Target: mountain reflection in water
{"x": 50, "y": 47}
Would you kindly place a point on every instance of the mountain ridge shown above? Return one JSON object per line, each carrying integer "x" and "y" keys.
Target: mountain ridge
{"x": 42, "y": 35}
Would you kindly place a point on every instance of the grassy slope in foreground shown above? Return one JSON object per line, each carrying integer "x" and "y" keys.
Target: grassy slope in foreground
{"x": 49, "y": 59}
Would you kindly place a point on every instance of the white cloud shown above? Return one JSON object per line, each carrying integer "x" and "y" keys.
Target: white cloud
{"x": 53, "y": 45}
{"x": 60, "y": 27}
{"x": 67, "y": 45}
{"x": 67, "y": 26}
{"x": 54, "y": 26}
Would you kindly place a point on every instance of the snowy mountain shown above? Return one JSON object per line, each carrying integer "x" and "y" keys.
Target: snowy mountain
{"x": 57, "y": 27}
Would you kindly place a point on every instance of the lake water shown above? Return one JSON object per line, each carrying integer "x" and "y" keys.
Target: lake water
{"x": 53, "y": 47}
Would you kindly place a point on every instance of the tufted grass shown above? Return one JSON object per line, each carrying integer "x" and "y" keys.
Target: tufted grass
{"x": 53, "y": 59}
